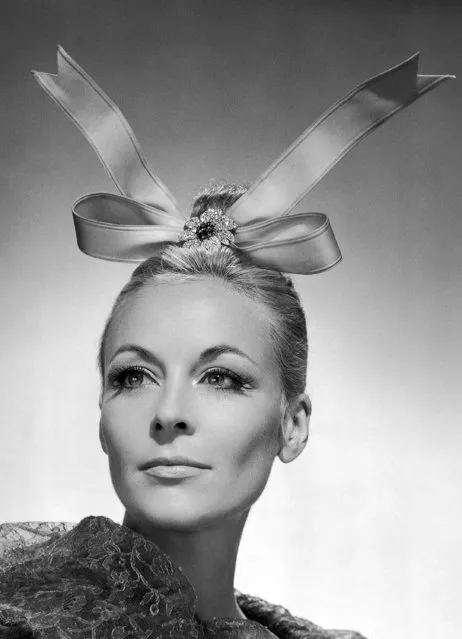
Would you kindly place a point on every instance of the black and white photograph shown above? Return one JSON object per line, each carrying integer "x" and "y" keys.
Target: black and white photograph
{"x": 231, "y": 310}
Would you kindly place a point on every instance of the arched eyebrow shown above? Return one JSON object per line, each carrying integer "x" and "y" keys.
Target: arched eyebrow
{"x": 207, "y": 355}
{"x": 223, "y": 349}
{"x": 144, "y": 353}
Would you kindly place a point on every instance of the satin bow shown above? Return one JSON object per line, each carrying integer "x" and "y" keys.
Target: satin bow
{"x": 136, "y": 224}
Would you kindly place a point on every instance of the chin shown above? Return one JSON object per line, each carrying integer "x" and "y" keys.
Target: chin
{"x": 178, "y": 512}
{"x": 168, "y": 518}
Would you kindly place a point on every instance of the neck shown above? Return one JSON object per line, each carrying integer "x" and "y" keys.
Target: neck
{"x": 206, "y": 556}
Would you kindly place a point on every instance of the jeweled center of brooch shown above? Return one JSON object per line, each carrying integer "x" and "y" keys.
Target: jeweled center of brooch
{"x": 211, "y": 230}
{"x": 205, "y": 231}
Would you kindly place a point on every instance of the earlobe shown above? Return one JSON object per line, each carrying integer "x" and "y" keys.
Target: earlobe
{"x": 295, "y": 429}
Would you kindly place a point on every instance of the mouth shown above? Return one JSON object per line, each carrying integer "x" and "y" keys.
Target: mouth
{"x": 169, "y": 463}
{"x": 174, "y": 473}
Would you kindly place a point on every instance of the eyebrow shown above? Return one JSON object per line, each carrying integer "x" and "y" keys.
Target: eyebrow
{"x": 207, "y": 355}
{"x": 223, "y": 349}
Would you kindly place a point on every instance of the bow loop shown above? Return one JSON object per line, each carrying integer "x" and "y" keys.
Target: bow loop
{"x": 113, "y": 227}
{"x": 302, "y": 243}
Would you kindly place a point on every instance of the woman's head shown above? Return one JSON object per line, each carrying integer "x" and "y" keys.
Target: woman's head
{"x": 204, "y": 356}
{"x": 273, "y": 290}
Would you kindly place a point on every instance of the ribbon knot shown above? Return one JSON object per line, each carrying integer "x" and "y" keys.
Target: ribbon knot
{"x": 211, "y": 230}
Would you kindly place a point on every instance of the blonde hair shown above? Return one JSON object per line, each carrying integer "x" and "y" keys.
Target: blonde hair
{"x": 268, "y": 287}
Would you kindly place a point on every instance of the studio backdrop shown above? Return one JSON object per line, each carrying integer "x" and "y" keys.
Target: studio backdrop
{"x": 363, "y": 530}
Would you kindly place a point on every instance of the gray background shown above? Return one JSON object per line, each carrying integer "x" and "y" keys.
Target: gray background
{"x": 364, "y": 529}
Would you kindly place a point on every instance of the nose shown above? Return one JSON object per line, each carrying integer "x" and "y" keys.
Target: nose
{"x": 171, "y": 413}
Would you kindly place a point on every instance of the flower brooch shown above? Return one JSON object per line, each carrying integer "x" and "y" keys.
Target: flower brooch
{"x": 210, "y": 230}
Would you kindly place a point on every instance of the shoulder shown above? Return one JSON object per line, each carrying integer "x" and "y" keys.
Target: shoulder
{"x": 283, "y": 624}
{"x": 19, "y": 535}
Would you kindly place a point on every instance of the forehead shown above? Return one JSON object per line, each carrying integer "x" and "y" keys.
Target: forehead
{"x": 185, "y": 318}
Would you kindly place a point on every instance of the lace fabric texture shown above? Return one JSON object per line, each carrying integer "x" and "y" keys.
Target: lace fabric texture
{"x": 101, "y": 580}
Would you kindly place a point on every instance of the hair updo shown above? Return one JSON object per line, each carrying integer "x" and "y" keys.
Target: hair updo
{"x": 268, "y": 287}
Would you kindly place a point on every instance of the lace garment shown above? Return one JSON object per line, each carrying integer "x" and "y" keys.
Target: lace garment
{"x": 100, "y": 580}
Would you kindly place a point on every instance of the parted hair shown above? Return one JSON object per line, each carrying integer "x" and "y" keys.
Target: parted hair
{"x": 271, "y": 288}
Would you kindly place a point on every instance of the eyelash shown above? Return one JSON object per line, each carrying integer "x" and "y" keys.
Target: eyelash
{"x": 118, "y": 377}
{"x": 241, "y": 383}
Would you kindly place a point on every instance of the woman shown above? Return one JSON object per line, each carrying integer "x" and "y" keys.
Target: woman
{"x": 202, "y": 389}
{"x": 203, "y": 364}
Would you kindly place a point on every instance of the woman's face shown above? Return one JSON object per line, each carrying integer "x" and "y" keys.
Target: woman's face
{"x": 190, "y": 371}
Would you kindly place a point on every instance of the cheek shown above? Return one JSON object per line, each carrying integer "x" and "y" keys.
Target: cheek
{"x": 125, "y": 426}
{"x": 246, "y": 458}
{"x": 249, "y": 441}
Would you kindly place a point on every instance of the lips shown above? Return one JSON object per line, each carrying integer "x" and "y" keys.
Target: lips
{"x": 173, "y": 461}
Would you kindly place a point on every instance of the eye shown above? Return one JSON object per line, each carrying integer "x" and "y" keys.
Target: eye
{"x": 130, "y": 378}
{"x": 223, "y": 379}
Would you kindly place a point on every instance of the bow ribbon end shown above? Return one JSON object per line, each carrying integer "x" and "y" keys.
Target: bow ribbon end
{"x": 107, "y": 131}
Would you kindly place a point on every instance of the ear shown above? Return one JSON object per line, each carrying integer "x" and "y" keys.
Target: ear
{"x": 295, "y": 428}
{"x": 102, "y": 439}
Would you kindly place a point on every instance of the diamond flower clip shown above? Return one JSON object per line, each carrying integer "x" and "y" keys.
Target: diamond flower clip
{"x": 211, "y": 230}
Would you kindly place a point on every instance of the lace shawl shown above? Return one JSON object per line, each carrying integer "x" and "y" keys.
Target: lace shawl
{"x": 100, "y": 580}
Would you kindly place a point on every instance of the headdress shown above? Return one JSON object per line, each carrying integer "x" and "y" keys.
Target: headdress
{"x": 136, "y": 224}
